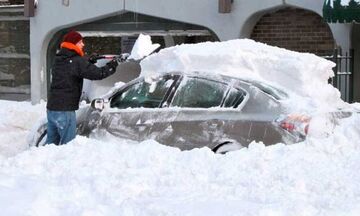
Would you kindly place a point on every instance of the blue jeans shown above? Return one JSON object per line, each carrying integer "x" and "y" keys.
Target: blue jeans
{"x": 61, "y": 127}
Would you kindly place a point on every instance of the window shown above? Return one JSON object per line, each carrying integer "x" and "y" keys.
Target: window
{"x": 272, "y": 91}
{"x": 143, "y": 94}
{"x": 200, "y": 93}
{"x": 234, "y": 98}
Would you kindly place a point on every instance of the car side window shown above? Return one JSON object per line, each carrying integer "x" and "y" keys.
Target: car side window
{"x": 142, "y": 94}
{"x": 199, "y": 93}
{"x": 234, "y": 97}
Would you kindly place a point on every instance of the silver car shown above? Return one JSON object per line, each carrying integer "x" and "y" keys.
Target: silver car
{"x": 192, "y": 110}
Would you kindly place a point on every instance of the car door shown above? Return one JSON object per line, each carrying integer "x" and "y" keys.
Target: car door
{"x": 189, "y": 121}
{"x": 261, "y": 111}
{"x": 132, "y": 108}
{"x": 235, "y": 126}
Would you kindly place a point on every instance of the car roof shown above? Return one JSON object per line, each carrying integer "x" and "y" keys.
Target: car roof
{"x": 263, "y": 86}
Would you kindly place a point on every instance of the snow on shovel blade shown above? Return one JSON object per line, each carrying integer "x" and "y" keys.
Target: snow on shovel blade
{"x": 143, "y": 47}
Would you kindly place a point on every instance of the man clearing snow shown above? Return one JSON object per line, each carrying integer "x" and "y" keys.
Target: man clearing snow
{"x": 70, "y": 69}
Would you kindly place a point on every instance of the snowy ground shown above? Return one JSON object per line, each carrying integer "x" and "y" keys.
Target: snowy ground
{"x": 119, "y": 177}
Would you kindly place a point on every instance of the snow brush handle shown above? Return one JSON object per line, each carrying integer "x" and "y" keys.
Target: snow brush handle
{"x": 120, "y": 58}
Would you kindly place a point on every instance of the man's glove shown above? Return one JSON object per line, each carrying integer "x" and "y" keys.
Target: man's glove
{"x": 113, "y": 64}
{"x": 93, "y": 58}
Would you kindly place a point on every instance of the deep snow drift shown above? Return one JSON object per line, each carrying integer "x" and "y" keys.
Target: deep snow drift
{"x": 119, "y": 177}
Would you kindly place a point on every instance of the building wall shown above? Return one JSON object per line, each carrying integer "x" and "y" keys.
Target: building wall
{"x": 237, "y": 24}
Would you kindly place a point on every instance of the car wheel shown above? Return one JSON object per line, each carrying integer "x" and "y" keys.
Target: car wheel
{"x": 42, "y": 139}
{"x": 227, "y": 146}
{"x": 40, "y": 136}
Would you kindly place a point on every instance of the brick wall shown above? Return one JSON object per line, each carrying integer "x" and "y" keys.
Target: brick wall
{"x": 295, "y": 29}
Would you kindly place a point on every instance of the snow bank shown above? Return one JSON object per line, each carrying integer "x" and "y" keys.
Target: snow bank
{"x": 119, "y": 177}
{"x": 304, "y": 74}
{"x": 17, "y": 119}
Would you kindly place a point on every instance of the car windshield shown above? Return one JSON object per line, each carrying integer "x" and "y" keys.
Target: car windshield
{"x": 199, "y": 93}
{"x": 143, "y": 94}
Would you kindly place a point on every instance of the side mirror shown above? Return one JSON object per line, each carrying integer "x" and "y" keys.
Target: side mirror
{"x": 98, "y": 104}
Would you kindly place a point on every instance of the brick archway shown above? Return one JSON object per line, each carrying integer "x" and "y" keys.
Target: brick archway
{"x": 295, "y": 29}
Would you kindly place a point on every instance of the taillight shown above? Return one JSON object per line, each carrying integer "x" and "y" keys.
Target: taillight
{"x": 296, "y": 124}
{"x": 287, "y": 126}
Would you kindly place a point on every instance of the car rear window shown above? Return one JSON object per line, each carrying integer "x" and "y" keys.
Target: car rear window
{"x": 274, "y": 92}
{"x": 234, "y": 97}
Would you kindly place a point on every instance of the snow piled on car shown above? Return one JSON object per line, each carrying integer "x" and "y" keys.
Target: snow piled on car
{"x": 304, "y": 74}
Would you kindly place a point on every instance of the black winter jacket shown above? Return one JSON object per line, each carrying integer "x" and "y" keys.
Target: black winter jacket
{"x": 67, "y": 79}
